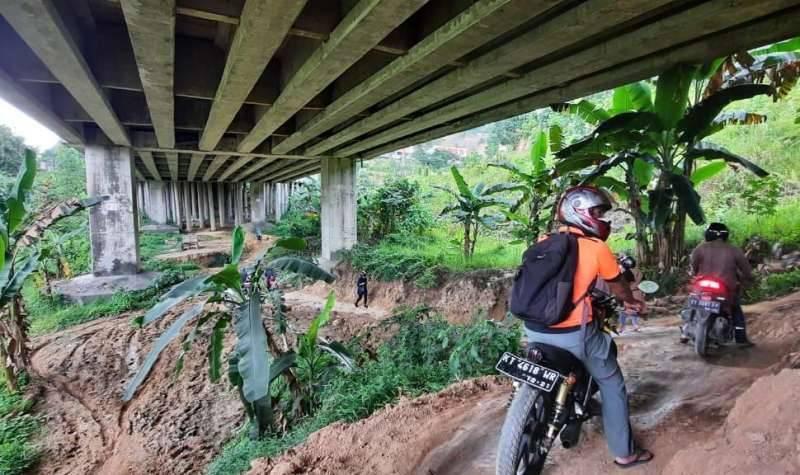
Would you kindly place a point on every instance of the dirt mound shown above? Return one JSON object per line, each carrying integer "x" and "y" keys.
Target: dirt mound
{"x": 174, "y": 425}
{"x": 403, "y": 432}
{"x": 761, "y": 434}
{"x": 459, "y": 298}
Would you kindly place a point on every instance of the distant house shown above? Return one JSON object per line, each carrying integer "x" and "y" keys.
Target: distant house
{"x": 460, "y": 152}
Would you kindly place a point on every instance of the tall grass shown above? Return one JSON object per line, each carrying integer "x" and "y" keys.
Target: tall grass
{"x": 17, "y": 429}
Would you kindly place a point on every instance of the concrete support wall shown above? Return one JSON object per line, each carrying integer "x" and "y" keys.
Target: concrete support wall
{"x": 338, "y": 179}
{"x": 221, "y": 204}
{"x": 113, "y": 224}
{"x": 155, "y": 202}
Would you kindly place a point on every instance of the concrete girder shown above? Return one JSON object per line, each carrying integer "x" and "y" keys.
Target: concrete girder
{"x": 577, "y": 24}
{"x": 22, "y": 100}
{"x": 711, "y": 17}
{"x": 480, "y": 23}
{"x": 287, "y": 171}
{"x": 260, "y": 176}
{"x": 233, "y": 167}
{"x": 151, "y": 26}
{"x": 214, "y": 166}
{"x": 365, "y": 25}
{"x": 765, "y": 31}
{"x": 304, "y": 173}
{"x": 262, "y": 27}
{"x": 249, "y": 171}
{"x": 150, "y": 164}
{"x": 39, "y": 24}
{"x": 194, "y": 165}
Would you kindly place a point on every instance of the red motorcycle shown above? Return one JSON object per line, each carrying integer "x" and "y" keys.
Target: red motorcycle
{"x": 707, "y": 317}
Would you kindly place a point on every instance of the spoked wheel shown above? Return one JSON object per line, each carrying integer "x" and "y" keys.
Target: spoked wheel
{"x": 519, "y": 451}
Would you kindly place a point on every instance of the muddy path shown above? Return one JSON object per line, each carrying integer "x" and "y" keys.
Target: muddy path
{"x": 676, "y": 400}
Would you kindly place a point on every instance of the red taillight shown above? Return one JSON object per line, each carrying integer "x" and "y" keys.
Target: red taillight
{"x": 709, "y": 284}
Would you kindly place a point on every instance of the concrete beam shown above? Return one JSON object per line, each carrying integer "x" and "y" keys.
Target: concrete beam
{"x": 24, "y": 101}
{"x": 151, "y": 26}
{"x": 150, "y": 164}
{"x": 144, "y": 145}
{"x": 172, "y": 163}
{"x": 289, "y": 170}
{"x": 478, "y": 24}
{"x": 272, "y": 168}
{"x": 138, "y": 174}
{"x": 261, "y": 31}
{"x": 365, "y": 25}
{"x": 690, "y": 25}
{"x": 583, "y": 22}
{"x": 303, "y": 173}
{"x": 38, "y": 23}
{"x": 194, "y": 165}
{"x": 765, "y": 31}
{"x": 247, "y": 172}
{"x": 233, "y": 167}
{"x": 214, "y": 166}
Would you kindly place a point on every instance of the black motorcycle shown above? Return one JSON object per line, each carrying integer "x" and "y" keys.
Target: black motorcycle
{"x": 553, "y": 397}
{"x": 706, "y": 320}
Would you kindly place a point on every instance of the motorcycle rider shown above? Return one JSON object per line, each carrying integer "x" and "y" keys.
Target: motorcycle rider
{"x": 721, "y": 260}
{"x": 581, "y": 210}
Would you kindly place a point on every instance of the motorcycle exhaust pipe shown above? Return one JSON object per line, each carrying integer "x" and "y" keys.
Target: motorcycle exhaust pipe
{"x": 560, "y": 403}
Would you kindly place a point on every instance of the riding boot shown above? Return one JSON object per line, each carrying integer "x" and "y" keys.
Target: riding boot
{"x": 740, "y": 337}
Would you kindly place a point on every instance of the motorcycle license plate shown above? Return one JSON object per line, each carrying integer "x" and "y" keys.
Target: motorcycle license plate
{"x": 712, "y": 306}
{"x": 526, "y": 372}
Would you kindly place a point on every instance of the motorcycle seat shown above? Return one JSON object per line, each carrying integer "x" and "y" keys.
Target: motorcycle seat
{"x": 557, "y": 358}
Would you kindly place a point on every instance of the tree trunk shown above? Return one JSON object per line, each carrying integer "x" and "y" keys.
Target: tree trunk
{"x": 467, "y": 240}
{"x": 14, "y": 342}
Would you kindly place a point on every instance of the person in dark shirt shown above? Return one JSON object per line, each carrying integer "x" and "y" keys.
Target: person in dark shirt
{"x": 361, "y": 289}
{"x": 726, "y": 262}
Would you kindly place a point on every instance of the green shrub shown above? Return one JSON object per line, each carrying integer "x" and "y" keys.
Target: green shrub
{"x": 17, "y": 428}
{"x": 773, "y": 285}
{"x": 425, "y": 355}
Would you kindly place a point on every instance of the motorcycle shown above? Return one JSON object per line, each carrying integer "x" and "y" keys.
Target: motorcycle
{"x": 707, "y": 317}
{"x": 553, "y": 396}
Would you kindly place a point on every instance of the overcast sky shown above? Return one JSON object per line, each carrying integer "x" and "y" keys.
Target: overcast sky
{"x": 35, "y": 135}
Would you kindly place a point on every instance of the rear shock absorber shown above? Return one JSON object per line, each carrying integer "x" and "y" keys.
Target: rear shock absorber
{"x": 560, "y": 409}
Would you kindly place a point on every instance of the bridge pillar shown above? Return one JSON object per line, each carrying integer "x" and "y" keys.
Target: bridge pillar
{"x": 156, "y": 208}
{"x": 113, "y": 224}
{"x": 338, "y": 217}
{"x": 258, "y": 204}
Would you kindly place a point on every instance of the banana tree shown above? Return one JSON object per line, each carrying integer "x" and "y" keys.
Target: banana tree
{"x": 659, "y": 144}
{"x": 19, "y": 257}
{"x": 470, "y": 205}
{"x": 224, "y": 303}
{"x": 537, "y": 184}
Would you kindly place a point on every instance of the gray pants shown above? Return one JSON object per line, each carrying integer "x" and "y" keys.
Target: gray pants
{"x": 601, "y": 363}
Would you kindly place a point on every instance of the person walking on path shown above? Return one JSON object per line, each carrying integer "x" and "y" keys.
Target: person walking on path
{"x": 361, "y": 289}
{"x": 627, "y": 265}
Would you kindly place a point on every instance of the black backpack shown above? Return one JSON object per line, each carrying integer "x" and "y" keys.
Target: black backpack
{"x": 542, "y": 290}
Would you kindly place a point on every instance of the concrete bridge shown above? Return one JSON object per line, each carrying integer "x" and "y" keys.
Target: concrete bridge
{"x": 200, "y": 110}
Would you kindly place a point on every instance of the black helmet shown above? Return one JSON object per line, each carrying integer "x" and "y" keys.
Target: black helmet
{"x": 626, "y": 261}
{"x": 716, "y": 231}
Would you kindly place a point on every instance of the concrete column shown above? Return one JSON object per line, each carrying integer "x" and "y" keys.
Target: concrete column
{"x": 201, "y": 204}
{"x": 156, "y": 208}
{"x": 187, "y": 211}
{"x": 176, "y": 204}
{"x": 338, "y": 217}
{"x": 212, "y": 220}
{"x": 192, "y": 201}
{"x": 221, "y": 203}
{"x": 113, "y": 224}
{"x": 257, "y": 205}
{"x": 237, "y": 204}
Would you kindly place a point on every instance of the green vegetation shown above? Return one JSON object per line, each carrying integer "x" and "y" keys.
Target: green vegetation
{"x": 425, "y": 355}
{"x": 17, "y": 429}
{"x": 773, "y": 285}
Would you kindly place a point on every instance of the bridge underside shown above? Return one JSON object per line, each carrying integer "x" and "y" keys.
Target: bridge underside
{"x": 220, "y": 93}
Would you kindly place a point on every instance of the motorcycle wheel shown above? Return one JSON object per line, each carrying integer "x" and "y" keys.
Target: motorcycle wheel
{"x": 518, "y": 452}
{"x": 700, "y": 339}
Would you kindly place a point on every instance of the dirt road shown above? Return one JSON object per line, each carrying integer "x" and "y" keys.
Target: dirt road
{"x": 677, "y": 401}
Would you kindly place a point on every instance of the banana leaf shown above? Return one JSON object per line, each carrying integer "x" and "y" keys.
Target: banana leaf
{"x": 54, "y": 214}
{"x": 701, "y": 116}
{"x": 586, "y": 110}
{"x": 460, "y": 183}
{"x": 163, "y": 340}
{"x": 708, "y": 151}
{"x": 237, "y": 245}
{"x": 688, "y": 197}
{"x": 707, "y": 172}
{"x": 13, "y": 282}
{"x": 252, "y": 349}
{"x": 302, "y": 267}
{"x": 320, "y": 320}
{"x": 632, "y": 97}
{"x": 176, "y": 295}
{"x": 215, "y": 349}
{"x": 672, "y": 92}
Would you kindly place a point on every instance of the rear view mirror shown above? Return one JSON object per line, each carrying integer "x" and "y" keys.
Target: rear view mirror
{"x": 648, "y": 287}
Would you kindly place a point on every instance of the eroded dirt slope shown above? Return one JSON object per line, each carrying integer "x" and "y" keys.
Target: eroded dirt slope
{"x": 677, "y": 401}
